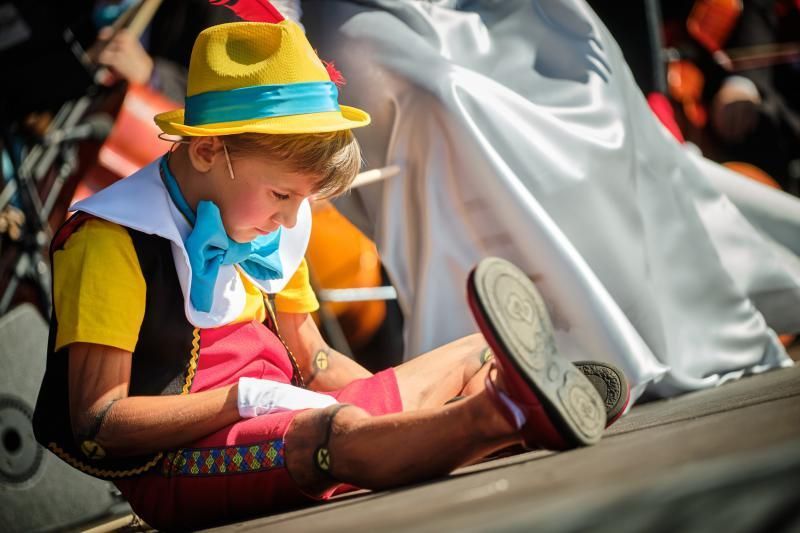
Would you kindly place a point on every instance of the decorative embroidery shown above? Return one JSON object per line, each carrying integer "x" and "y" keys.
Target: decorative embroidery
{"x": 92, "y": 450}
{"x": 228, "y": 460}
{"x": 103, "y": 473}
{"x": 191, "y": 369}
{"x": 297, "y": 377}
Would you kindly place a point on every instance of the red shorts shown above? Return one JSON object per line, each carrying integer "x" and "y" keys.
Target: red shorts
{"x": 239, "y": 471}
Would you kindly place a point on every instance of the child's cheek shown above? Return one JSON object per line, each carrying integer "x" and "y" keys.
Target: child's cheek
{"x": 253, "y": 210}
{"x": 237, "y": 213}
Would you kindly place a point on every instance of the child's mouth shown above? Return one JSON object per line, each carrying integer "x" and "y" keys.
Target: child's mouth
{"x": 266, "y": 231}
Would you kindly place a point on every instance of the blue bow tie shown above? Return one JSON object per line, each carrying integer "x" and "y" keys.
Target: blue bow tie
{"x": 209, "y": 247}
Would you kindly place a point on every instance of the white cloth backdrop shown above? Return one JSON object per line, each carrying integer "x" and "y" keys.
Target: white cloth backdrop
{"x": 521, "y": 133}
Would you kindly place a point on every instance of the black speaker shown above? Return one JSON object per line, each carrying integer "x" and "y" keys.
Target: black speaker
{"x": 37, "y": 490}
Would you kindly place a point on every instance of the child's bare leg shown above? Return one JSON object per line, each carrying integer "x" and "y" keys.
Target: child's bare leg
{"x": 437, "y": 376}
{"x": 477, "y": 383}
{"x": 391, "y": 450}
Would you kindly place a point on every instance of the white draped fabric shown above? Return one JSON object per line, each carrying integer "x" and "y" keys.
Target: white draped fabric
{"x": 520, "y": 133}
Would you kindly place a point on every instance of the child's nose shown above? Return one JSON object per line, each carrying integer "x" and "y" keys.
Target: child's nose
{"x": 288, "y": 215}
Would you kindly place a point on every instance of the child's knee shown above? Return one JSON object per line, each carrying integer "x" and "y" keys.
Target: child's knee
{"x": 317, "y": 449}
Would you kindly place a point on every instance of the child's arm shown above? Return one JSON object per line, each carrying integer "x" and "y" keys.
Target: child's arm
{"x": 102, "y": 411}
{"x": 323, "y": 368}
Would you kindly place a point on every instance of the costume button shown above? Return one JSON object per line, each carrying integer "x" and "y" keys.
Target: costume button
{"x": 323, "y": 459}
{"x": 321, "y": 360}
{"x": 92, "y": 450}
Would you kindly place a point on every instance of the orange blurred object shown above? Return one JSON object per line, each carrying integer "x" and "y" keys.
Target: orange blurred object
{"x": 752, "y": 172}
{"x": 686, "y": 83}
{"x": 711, "y": 22}
{"x": 787, "y": 340}
{"x": 132, "y": 143}
{"x": 341, "y": 257}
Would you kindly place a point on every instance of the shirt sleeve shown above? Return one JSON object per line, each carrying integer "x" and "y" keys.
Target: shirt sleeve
{"x": 297, "y": 296}
{"x": 98, "y": 287}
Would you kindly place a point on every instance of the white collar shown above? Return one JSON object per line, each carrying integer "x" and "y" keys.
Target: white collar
{"x": 141, "y": 202}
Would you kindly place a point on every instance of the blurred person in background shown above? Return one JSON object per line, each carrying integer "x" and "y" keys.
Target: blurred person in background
{"x": 753, "y": 105}
{"x": 159, "y": 58}
{"x": 521, "y": 133}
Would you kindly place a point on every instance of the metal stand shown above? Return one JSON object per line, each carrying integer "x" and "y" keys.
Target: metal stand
{"x": 32, "y": 264}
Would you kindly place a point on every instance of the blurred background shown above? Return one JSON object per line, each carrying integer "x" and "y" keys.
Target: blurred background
{"x": 82, "y": 80}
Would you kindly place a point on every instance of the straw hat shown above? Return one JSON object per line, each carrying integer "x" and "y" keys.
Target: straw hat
{"x": 258, "y": 77}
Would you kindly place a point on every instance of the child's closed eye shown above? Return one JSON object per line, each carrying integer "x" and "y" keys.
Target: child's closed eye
{"x": 279, "y": 196}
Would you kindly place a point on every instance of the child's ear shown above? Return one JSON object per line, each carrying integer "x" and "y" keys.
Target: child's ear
{"x": 203, "y": 151}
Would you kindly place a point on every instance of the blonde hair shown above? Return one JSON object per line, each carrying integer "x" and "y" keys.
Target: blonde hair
{"x": 335, "y": 157}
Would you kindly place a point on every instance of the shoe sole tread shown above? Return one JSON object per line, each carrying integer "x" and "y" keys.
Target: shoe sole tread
{"x": 516, "y": 312}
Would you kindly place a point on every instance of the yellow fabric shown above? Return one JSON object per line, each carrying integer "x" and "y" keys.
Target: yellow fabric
{"x": 244, "y": 54}
{"x": 248, "y": 54}
{"x": 253, "y": 305}
{"x": 297, "y": 296}
{"x": 100, "y": 291}
{"x": 98, "y": 287}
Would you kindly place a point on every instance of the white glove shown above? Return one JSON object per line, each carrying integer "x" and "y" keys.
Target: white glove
{"x": 261, "y": 397}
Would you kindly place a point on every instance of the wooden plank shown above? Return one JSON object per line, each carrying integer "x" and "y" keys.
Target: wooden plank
{"x": 733, "y": 421}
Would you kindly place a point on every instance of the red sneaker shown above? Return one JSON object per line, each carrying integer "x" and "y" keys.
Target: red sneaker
{"x": 561, "y": 408}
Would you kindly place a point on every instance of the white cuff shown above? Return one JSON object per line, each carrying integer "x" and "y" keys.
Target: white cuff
{"x": 260, "y": 397}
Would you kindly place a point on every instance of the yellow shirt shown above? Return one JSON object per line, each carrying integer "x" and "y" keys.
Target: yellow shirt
{"x": 99, "y": 290}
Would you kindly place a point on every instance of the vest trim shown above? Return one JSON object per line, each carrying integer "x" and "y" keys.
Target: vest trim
{"x": 297, "y": 377}
{"x": 191, "y": 368}
{"x": 103, "y": 473}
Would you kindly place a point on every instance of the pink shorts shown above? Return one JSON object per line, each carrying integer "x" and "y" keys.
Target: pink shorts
{"x": 239, "y": 471}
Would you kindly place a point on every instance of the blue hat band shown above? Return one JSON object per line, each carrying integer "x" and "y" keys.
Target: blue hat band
{"x": 261, "y": 101}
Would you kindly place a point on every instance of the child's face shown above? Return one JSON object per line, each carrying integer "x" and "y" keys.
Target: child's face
{"x": 263, "y": 196}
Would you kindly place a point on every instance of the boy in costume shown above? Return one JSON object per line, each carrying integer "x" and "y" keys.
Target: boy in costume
{"x": 183, "y": 364}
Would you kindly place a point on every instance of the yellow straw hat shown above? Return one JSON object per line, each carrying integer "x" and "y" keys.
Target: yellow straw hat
{"x": 258, "y": 77}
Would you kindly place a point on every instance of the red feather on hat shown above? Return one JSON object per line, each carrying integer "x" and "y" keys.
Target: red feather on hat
{"x": 336, "y": 77}
{"x": 263, "y": 11}
{"x": 251, "y": 10}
